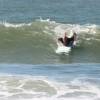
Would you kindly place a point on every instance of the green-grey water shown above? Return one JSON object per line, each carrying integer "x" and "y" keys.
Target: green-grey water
{"x": 34, "y": 43}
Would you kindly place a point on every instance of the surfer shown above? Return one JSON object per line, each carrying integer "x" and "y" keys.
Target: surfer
{"x": 68, "y": 41}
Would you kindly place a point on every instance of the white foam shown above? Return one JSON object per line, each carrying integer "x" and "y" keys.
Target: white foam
{"x": 70, "y": 90}
{"x": 6, "y": 24}
{"x": 60, "y": 29}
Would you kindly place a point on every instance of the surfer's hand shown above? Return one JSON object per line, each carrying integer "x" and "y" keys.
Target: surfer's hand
{"x": 74, "y": 43}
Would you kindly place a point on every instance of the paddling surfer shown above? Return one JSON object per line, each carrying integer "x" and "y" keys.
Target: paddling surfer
{"x": 68, "y": 41}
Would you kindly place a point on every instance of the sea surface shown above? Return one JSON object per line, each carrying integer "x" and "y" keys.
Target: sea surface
{"x": 30, "y": 69}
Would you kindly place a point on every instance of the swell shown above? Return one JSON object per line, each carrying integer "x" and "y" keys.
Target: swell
{"x": 35, "y": 42}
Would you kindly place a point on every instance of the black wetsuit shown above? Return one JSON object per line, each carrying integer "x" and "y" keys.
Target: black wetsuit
{"x": 69, "y": 41}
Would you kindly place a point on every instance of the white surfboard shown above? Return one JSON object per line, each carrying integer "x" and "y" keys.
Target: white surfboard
{"x": 63, "y": 50}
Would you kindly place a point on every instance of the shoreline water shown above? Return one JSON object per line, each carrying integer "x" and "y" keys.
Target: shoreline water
{"x": 28, "y": 82}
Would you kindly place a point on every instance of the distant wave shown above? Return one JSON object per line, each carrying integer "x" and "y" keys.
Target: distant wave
{"x": 57, "y": 27}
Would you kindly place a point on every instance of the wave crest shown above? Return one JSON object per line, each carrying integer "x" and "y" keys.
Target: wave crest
{"x": 6, "y": 24}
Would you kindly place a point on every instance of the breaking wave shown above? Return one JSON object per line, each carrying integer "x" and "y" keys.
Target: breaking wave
{"x": 29, "y": 38}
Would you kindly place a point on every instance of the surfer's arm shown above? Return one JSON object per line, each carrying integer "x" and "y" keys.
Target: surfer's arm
{"x": 75, "y": 36}
{"x": 75, "y": 39}
{"x": 65, "y": 39}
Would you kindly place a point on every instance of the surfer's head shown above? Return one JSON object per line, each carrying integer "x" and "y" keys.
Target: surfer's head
{"x": 65, "y": 33}
{"x": 71, "y": 34}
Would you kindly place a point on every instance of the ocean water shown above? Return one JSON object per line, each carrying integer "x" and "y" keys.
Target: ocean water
{"x": 30, "y": 69}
